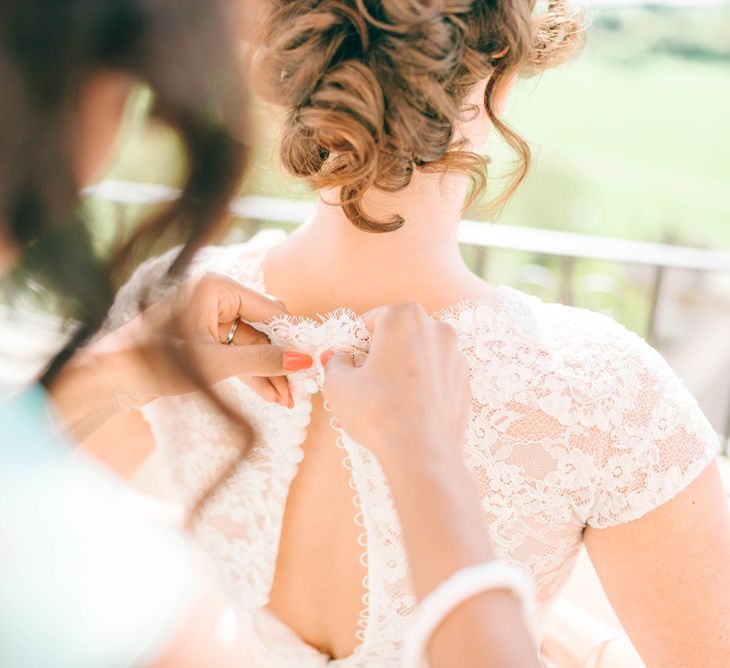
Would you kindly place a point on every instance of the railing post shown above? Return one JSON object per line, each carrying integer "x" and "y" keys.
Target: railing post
{"x": 567, "y": 264}
{"x": 654, "y": 297}
{"x": 482, "y": 262}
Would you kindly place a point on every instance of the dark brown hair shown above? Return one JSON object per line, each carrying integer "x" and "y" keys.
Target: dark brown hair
{"x": 373, "y": 89}
{"x": 184, "y": 51}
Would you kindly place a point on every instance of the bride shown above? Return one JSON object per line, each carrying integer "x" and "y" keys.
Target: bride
{"x": 578, "y": 433}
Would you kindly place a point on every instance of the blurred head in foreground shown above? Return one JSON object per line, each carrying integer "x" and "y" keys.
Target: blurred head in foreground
{"x": 67, "y": 69}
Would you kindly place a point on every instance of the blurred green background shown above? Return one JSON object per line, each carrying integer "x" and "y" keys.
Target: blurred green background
{"x": 631, "y": 139}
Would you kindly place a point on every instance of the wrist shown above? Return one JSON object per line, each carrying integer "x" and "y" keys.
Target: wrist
{"x": 436, "y": 484}
{"x": 461, "y": 588}
{"x": 441, "y": 483}
{"x": 91, "y": 389}
{"x": 431, "y": 460}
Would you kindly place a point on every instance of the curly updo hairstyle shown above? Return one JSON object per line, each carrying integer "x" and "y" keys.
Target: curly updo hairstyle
{"x": 374, "y": 89}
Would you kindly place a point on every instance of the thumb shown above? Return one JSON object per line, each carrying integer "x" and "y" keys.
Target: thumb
{"x": 338, "y": 369}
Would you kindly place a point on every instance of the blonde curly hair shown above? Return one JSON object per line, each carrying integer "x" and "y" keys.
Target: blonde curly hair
{"x": 373, "y": 89}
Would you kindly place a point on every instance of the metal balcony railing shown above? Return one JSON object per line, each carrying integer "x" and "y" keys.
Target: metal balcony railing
{"x": 27, "y": 338}
{"x": 566, "y": 246}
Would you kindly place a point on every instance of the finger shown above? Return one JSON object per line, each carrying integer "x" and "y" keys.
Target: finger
{"x": 263, "y": 388}
{"x": 264, "y": 360}
{"x": 395, "y": 326}
{"x": 338, "y": 367}
{"x": 222, "y": 361}
{"x": 256, "y": 360}
{"x": 281, "y": 385}
{"x": 373, "y": 317}
{"x": 222, "y": 299}
{"x": 407, "y": 312}
{"x": 274, "y": 390}
{"x": 244, "y": 335}
{"x": 255, "y": 307}
{"x": 292, "y": 361}
{"x": 248, "y": 336}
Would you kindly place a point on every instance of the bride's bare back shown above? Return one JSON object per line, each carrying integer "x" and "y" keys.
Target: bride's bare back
{"x": 319, "y": 584}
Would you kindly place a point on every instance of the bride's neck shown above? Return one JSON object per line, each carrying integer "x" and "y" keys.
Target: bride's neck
{"x": 431, "y": 206}
{"x": 329, "y": 262}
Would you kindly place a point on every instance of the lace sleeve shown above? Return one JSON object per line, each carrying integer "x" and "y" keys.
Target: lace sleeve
{"x": 241, "y": 262}
{"x": 659, "y": 440}
{"x": 148, "y": 282}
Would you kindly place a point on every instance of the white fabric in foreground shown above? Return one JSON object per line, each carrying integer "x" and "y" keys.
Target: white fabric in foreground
{"x": 85, "y": 580}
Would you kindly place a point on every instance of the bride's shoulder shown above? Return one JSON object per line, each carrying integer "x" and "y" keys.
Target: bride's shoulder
{"x": 604, "y": 404}
{"x": 557, "y": 333}
{"x": 240, "y": 261}
{"x": 572, "y": 362}
{"x": 591, "y": 344}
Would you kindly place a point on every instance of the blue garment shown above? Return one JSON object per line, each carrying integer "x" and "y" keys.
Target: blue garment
{"x": 84, "y": 581}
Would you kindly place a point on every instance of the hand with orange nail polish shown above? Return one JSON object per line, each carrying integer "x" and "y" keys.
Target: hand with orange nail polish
{"x": 211, "y": 313}
{"x": 410, "y": 394}
{"x": 297, "y": 361}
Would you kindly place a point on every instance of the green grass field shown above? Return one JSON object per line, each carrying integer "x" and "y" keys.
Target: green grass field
{"x": 639, "y": 150}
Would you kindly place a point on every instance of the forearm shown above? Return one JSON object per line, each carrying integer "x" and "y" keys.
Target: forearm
{"x": 440, "y": 513}
{"x": 90, "y": 389}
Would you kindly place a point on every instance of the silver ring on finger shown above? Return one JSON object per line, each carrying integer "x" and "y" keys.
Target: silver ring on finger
{"x": 232, "y": 332}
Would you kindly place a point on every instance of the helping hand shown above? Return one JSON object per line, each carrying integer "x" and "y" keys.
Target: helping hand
{"x": 410, "y": 399}
{"x": 196, "y": 319}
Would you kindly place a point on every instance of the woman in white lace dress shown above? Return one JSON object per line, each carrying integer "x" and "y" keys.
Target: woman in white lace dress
{"x": 578, "y": 433}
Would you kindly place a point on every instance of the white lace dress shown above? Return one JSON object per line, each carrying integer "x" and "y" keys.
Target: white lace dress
{"x": 575, "y": 422}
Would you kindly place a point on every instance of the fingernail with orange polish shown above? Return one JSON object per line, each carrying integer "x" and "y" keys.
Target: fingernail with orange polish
{"x": 297, "y": 361}
{"x": 326, "y": 356}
